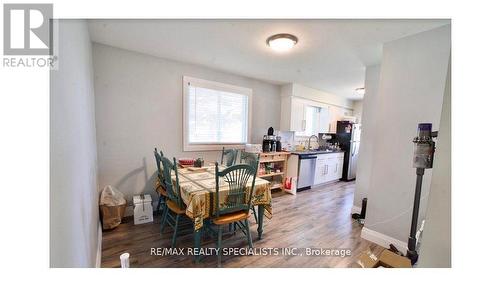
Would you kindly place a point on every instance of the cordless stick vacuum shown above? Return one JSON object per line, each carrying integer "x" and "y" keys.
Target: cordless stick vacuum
{"x": 423, "y": 156}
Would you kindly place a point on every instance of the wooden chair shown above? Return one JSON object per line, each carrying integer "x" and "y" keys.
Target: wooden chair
{"x": 235, "y": 202}
{"x": 253, "y": 160}
{"x": 231, "y": 155}
{"x": 250, "y": 158}
{"x": 173, "y": 201}
{"x": 160, "y": 189}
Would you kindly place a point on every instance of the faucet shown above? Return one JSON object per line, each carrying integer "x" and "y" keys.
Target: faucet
{"x": 309, "y": 141}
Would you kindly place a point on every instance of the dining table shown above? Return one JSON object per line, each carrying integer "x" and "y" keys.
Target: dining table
{"x": 197, "y": 187}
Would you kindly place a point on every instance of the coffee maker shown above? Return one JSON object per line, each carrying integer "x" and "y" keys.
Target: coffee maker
{"x": 270, "y": 142}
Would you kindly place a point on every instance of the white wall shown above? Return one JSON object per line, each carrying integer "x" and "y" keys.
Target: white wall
{"x": 436, "y": 241}
{"x": 368, "y": 134}
{"x": 412, "y": 82}
{"x": 74, "y": 216}
{"x": 301, "y": 91}
{"x": 357, "y": 108}
{"x": 139, "y": 107}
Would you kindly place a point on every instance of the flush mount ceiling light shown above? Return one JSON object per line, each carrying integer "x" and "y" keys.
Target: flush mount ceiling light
{"x": 282, "y": 42}
{"x": 360, "y": 91}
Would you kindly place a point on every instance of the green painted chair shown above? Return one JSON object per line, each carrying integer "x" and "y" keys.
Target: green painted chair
{"x": 232, "y": 205}
{"x": 173, "y": 202}
{"x": 253, "y": 160}
{"x": 230, "y": 155}
{"x": 161, "y": 189}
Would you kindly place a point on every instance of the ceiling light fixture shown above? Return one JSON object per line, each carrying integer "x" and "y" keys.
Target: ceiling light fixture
{"x": 282, "y": 42}
{"x": 360, "y": 91}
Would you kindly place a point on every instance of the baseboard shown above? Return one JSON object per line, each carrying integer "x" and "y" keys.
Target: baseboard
{"x": 99, "y": 246}
{"x": 382, "y": 239}
{"x": 355, "y": 210}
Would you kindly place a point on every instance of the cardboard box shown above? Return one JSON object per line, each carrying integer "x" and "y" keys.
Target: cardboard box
{"x": 386, "y": 259}
{"x": 143, "y": 209}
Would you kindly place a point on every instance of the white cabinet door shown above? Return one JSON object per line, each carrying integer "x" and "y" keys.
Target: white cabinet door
{"x": 297, "y": 119}
{"x": 324, "y": 120}
{"x": 321, "y": 169}
{"x": 337, "y": 114}
{"x": 331, "y": 167}
{"x": 319, "y": 173}
{"x": 339, "y": 163}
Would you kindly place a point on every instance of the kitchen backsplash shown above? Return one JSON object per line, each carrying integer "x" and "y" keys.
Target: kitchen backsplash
{"x": 289, "y": 140}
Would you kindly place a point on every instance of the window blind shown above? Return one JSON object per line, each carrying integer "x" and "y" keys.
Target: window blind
{"x": 216, "y": 116}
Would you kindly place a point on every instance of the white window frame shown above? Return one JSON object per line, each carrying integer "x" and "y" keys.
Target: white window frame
{"x": 187, "y": 80}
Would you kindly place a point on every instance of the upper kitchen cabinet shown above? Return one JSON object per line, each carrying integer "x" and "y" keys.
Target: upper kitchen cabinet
{"x": 303, "y": 116}
{"x": 336, "y": 114}
{"x": 292, "y": 114}
{"x": 308, "y": 111}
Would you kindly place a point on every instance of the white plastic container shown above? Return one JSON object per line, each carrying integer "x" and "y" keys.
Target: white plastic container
{"x": 253, "y": 148}
{"x": 143, "y": 209}
{"x": 125, "y": 260}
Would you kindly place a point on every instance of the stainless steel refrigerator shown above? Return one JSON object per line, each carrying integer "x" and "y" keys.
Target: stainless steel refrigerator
{"x": 348, "y": 135}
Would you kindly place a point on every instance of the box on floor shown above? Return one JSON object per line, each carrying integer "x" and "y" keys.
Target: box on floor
{"x": 386, "y": 259}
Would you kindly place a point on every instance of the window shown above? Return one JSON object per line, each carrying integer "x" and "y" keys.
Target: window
{"x": 215, "y": 115}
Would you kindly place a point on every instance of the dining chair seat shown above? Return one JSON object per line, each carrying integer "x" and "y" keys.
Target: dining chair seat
{"x": 232, "y": 217}
{"x": 175, "y": 208}
{"x": 160, "y": 189}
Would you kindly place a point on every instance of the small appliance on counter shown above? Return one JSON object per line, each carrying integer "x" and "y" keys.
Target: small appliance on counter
{"x": 278, "y": 143}
{"x": 270, "y": 142}
{"x": 328, "y": 141}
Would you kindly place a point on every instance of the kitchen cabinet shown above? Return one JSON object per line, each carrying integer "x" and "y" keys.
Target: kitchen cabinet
{"x": 324, "y": 120}
{"x": 335, "y": 164}
{"x": 320, "y": 171}
{"x": 328, "y": 167}
{"x": 337, "y": 113}
{"x": 298, "y": 116}
{"x": 296, "y": 103}
{"x": 334, "y": 169}
{"x": 303, "y": 116}
{"x": 292, "y": 115}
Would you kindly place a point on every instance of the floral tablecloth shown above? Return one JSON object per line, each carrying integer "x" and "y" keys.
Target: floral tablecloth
{"x": 198, "y": 193}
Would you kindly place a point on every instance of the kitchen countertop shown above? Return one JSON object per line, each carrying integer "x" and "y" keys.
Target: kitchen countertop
{"x": 311, "y": 152}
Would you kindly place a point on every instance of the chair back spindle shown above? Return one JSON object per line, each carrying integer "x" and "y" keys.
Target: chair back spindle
{"x": 236, "y": 177}
{"x": 172, "y": 187}
{"x": 250, "y": 158}
{"x": 230, "y": 155}
{"x": 158, "y": 166}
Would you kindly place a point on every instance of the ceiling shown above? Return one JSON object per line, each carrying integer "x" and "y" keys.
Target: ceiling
{"x": 331, "y": 55}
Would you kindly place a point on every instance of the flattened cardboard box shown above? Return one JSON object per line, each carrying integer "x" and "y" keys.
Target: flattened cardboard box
{"x": 387, "y": 259}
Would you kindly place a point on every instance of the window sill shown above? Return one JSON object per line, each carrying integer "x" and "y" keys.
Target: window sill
{"x": 211, "y": 147}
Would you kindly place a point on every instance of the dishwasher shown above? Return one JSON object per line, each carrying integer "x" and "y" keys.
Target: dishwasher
{"x": 307, "y": 166}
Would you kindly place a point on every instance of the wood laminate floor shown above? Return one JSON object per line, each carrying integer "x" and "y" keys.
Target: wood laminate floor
{"x": 316, "y": 218}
